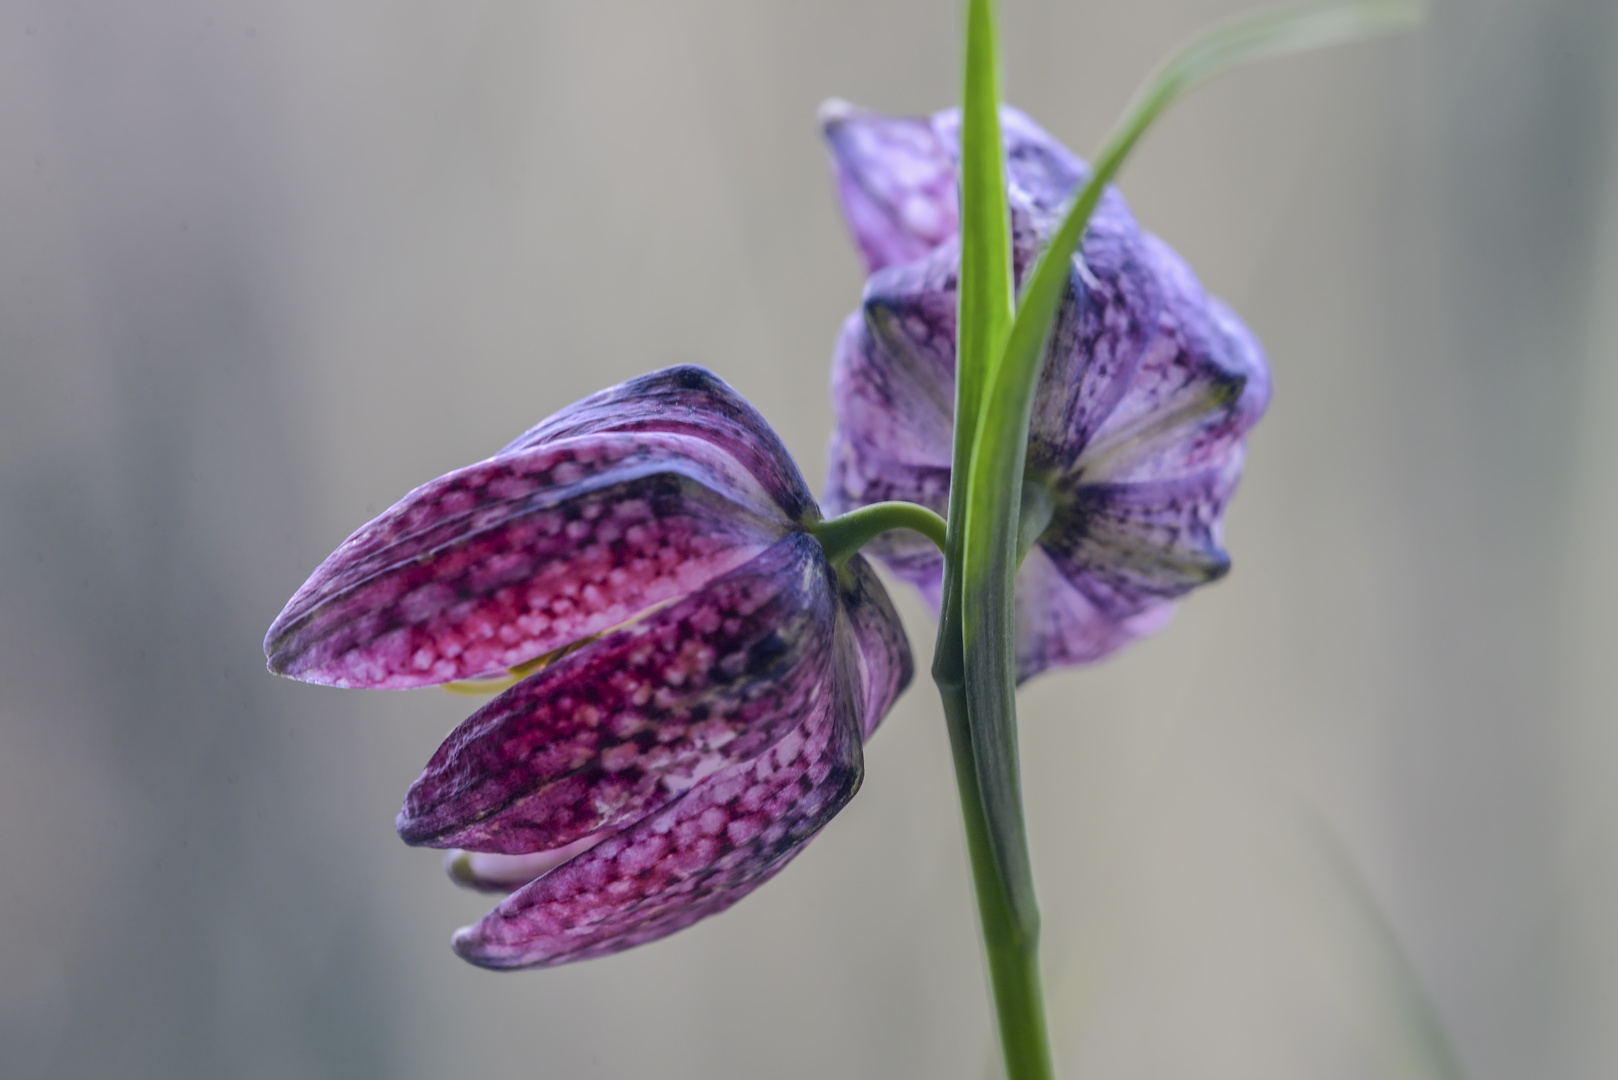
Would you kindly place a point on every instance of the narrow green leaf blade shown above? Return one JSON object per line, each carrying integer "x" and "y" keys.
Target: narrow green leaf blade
{"x": 985, "y": 297}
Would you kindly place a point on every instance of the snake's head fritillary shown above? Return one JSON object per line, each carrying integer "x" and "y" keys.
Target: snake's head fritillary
{"x": 1147, "y": 392}
{"x": 697, "y": 678}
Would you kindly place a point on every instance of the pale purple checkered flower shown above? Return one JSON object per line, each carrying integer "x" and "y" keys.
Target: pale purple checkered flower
{"x": 1147, "y": 391}
{"x": 705, "y": 676}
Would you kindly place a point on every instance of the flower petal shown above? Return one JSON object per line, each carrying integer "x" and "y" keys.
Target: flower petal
{"x": 1126, "y": 546}
{"x": 881, "y": 653}
{"x": 1140, "y": 509}
{"x": 1041, "y": 173}
{"x": 893, "y": 374}
{"x": 897, "y": 175}
{"x": 893, "y": 388}
{"x": 507, "y": 560}
{"x": 686, "y": 400}
{"x": 1110, "y": 315}
{"x": 726, "y": 836}
{"x": 1200, "y": 387}
{"x": 896, "y": 181}
{"x": 860, "y": 479}
{"x": 626, "y": 724}
{"x": 1059, "y": 625}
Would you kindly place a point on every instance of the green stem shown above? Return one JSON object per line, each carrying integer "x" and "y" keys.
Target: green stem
{"x": 1010, "y": 939}
{"x": 1009, "y": 921}
{"x": 842, "y": 536}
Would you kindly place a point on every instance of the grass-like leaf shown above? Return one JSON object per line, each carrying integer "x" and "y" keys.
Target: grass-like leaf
{"x": 985, "y": 295}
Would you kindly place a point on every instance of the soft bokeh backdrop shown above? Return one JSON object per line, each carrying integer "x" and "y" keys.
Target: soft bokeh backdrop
{"x": 267, "y": 264}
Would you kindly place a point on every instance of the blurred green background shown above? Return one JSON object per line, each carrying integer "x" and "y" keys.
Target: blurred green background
{"x": 267, "y": 264}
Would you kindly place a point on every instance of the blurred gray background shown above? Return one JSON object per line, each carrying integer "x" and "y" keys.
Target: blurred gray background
{"x": 267, "y": 264}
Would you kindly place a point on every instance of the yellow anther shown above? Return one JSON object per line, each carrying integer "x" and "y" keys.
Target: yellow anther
{"x": 493, "y": 684}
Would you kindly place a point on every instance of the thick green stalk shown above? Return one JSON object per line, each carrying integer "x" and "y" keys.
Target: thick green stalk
{"x": 1010, "y": 943}
{"x": 1010, "y": 933}
{"x": 984, "y": 296}
{"x": 986, "y": 287}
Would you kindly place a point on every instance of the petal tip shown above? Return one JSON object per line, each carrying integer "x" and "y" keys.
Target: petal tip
{"x": 412, "y": 828}
{"x": 276, "y": 658}
{"x": 286, "y": 662}
{"x": 290, "y": 653}
{"x": 472, "y": 946}
{"x": 693, "y": 377}
{"x": 464, "y": 942}
{"x": 833, "y": 112}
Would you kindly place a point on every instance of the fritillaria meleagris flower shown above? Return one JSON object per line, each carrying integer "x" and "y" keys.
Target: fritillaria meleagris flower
{"x": 706, "y": 677}
{"x": 1145, "y": 396}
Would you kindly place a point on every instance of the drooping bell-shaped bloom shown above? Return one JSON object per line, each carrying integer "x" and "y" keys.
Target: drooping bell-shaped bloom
{"x": 1146, "y": 394}
{"x": 705, "y": 676}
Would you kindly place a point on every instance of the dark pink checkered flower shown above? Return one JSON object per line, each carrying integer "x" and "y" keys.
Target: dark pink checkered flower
{"x": 706, "y": 676}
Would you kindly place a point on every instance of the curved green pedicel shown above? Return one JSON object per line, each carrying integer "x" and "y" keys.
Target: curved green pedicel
{"x": 842, "y": 536}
